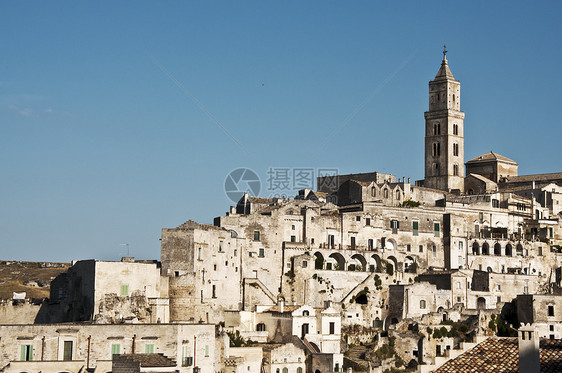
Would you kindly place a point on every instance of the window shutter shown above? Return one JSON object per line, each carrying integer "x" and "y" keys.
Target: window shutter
{"x": 22, "y": 355}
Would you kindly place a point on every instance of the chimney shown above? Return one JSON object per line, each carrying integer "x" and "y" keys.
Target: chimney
{"x": 529, "y": 359}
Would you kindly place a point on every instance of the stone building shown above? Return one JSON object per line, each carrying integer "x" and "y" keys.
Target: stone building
{"x": 110, "y": 292}
{"x": 543, "y": 311}
{"x": 76, "y": 346}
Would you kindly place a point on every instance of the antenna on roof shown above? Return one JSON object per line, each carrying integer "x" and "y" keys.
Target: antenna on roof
{"x": 127, "y": 245}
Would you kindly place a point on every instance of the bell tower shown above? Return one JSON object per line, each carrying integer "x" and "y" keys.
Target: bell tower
{"x": 444, "y": 132}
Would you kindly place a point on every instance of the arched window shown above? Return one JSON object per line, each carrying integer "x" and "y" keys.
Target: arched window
{"x": 285, "y": 370}
{"x": 422, "y": 304}
{"x": 455, "y": 129}
{"x": 261, "y": 327}
{"x": 436, "y": 129}
{"x": 398, "y": 194}
{"x": 373, "y": 192}
{"x": 305, "y": 313}
{"x": 386, "y": 193}
{"x": 277, "y": 370}
{"x": 456, "y": 170}
{"x": 508, "y": 250}
{"x": 299, "y": 369}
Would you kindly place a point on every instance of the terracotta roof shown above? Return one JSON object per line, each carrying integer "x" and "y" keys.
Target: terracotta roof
{"x": 481, "y": 178}
{"x": 260, "y": 200}
{"x": 491, "y": 156}
{"x": 150, "y": 360}
{"x": 537, "y": 177}
{"x": 501, "y": 355}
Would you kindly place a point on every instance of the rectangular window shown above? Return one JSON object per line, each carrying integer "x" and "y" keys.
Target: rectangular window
{"x": 214, "y": 291}
{"x": 353, "y": 243}
{"x": 186, "y": 360}
{"x": 331, "y": 241}
{"x": 293, "y": 239}
{"x": 115, "y": 349}
{"x": 256, "y": 235}
{"x": 394, "y": 225}
{"x": 370, "y": 244}
{"x": 149, "y": 348}
{"x": 550, "y": 310}
{"x": 26, "y": 353}
{"x": 415, "y": 227}
{"x": 408, "y": 247}
{"x": 261, "y": 253}
{"x": 358, "y": 218}
{"x": 199, "y": 254}
{"x": 332, "y": 328}
{"x": 124, "y": 290}
{"x": 67, "y": 351}
{"x": 436, "y": 229}
{"x": 292, "y": 227}
{"x": 421, "y": 248}
{"x": 220, "y": 246}
{"x": 235, "y": 252}
{"x": 368, "y": 221}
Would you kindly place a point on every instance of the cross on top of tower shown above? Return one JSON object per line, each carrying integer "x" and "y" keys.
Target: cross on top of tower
{"x": 445, "y": 53}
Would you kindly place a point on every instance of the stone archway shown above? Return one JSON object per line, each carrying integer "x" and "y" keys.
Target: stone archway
{"x": 475, "y": 248}
{"x": 318, "y": 260}
{"x": 361, "y": 259}
{"x": 340, "y": 261}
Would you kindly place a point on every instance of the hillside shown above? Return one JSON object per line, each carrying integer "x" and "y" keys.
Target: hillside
{"x": 32, "y": 277}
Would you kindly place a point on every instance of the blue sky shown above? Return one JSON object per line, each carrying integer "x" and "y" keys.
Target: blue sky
{"x": 112, "y": 113}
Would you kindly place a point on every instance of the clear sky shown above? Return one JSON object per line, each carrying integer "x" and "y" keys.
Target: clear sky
{"x": 122, "y": 118}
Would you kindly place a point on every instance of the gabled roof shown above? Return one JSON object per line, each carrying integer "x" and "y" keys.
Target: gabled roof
{"x": 491, "y": 156}
{"x": 481, "y": 178}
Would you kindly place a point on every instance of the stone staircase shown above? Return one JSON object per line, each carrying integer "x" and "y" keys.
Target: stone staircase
{"x": 355, "y": 358}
